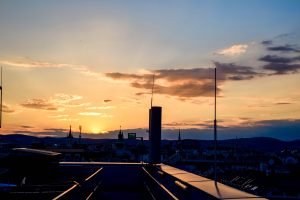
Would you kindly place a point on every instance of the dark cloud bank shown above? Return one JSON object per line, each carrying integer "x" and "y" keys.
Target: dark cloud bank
{"x": 198, "y": 82}
{"x": 187, "y": 83}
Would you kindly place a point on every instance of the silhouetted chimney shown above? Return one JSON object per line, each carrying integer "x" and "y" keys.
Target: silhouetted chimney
{"x": 155, "y": 134}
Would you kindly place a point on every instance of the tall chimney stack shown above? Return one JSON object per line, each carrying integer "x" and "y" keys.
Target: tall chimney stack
{"x": 155, "y": 134}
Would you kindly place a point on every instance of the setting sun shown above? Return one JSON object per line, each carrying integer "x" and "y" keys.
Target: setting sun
{"x": 96, "y": 130}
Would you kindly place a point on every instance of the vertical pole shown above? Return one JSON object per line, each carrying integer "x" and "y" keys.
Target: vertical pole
{"x": 1, "y": 101}
{"x": 152, "y": 91}
{"x": 215, "y": 128}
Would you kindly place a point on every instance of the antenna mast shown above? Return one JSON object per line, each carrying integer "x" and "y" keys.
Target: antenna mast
{"x": 215, "y": 128}
{"x": 1, "y": 101}
{"x": 152, "y": 90}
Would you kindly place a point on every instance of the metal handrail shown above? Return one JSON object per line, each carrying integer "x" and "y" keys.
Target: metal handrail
{"x": 66, "y": 191}
{"x": 91, "y": 176}
{"x": 76, "y": 185}
{"x": 161, "y": 185}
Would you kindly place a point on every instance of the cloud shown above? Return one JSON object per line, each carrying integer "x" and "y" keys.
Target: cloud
{"x": 267, "y": 42}
{"x": 189, "y": 89}
{"x": 282, "y": 68}
{"x": 231, "y": 71}
{"x": 186, "y": 83}
{"x": 278, "y": 59}
{"x": 102, "y": 115}
{"x": 197, "y": 82}
{"x": 7, "y": 108}
{"x": 107, "y": 100}
{"x": 56, "y": 130}
{"x": 30, "y": 63}
{"x": 122, "y": 76}
{"x": 66, "y": 98}
{"x": 100, "y": 107}
{"x": 185, "y": 125}
{"x": 173, "y": 75}
{"x": 90, "y": 113}
{"x": 234, "y": 50}
{"x": 58, "y": 116}
{"x": 280, "y": 65}
{"x": 41, "y": 104}
{"x": 63, "y": 117}
{"x": 283, "y": 103}
{"x": 58, "y": 102}
{"x": 68, "y": 119}
{"x": 131, "y": 100}
{"x": 26, "y": 126}
{"x": 285, "y": 48}
{"x": 284, "y": 35}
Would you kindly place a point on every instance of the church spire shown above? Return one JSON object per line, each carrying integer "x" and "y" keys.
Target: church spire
{"x": 70, "y": 133}
{"x": 120, "y": 135}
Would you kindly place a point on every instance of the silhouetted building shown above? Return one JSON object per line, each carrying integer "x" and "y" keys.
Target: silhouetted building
{"x": 120, "y": 142}
{"x": 155, "y": 134}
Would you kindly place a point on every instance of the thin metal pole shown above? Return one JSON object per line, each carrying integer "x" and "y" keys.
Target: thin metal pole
{"x": 215, "y": 128}
{"x": 1, "y": 102}
{"x": 152, "y": 91}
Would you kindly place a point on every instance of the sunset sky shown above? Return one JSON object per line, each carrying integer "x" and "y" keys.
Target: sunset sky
{"x": 90, "y": 63}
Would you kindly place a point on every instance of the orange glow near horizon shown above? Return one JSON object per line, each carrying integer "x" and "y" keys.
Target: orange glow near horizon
{"x": 95, "y": 69}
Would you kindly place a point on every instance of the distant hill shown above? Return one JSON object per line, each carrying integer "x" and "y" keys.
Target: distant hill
{"x": 258, "y": 143}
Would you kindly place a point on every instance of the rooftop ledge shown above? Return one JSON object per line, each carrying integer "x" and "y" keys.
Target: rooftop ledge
{"x": 216, "y": 189}
{"x": 181, "y": 179}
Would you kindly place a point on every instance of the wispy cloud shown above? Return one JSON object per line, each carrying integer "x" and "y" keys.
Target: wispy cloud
{"x": 26, "y": 126}
{"x": 68, "y": 119}
{"x": 102, "y": 115}
{"x": 58, "y": 116}
{"x": 64, "y": 117}
{"x": 185, "y": 125}
{"x": 8, "y": 108}
{"x": 30, "y": 63}
{"x": 234, "y": 50}
{"x": 58, "y": 102}
{"x": 41, "y": 104}
{"x": 282, "y": 68}
{"x": 90, "y": 113}
{"x": 285, "y": 48}
{"x": 100, "y": 107}
{"x": 279, "y": 59}
{"x": 267, "y": 42}
{"x": 56, "y": 130}
{"x": 130, "y": 99}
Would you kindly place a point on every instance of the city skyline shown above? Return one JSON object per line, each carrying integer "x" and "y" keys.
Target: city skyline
{"x": 91, "y": 64}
